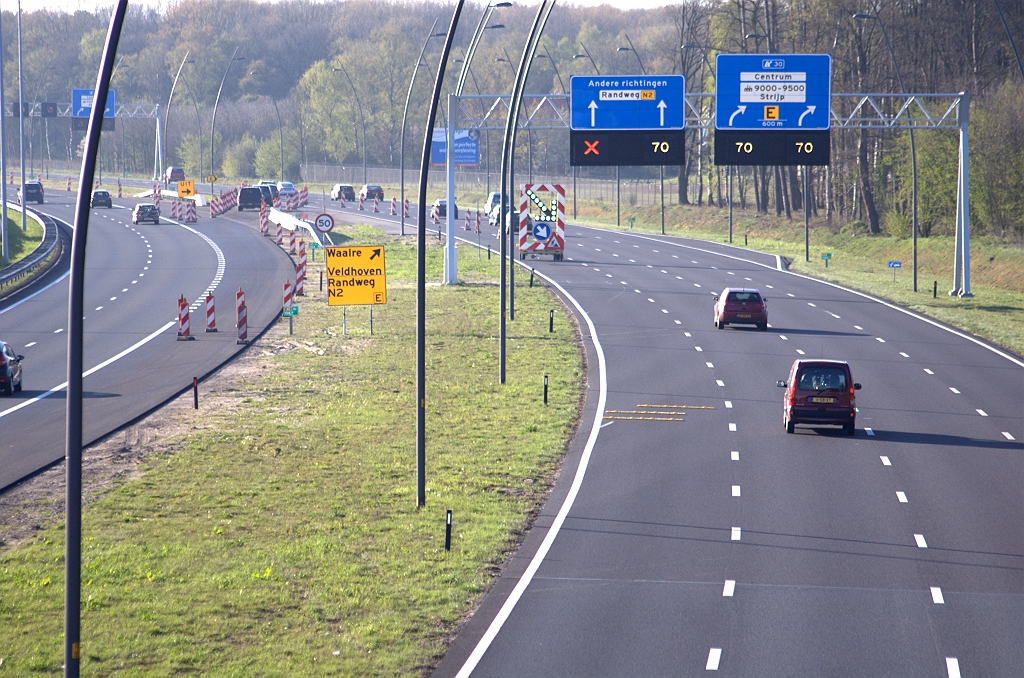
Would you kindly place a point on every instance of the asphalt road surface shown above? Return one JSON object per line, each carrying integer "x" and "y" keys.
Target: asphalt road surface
{"x": 720, "y": 542}
{"x": 134, "y": 277}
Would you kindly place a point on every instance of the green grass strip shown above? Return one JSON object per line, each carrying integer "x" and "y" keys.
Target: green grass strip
{"x": 23, "y": 243}
{"x": 281, "y": 537}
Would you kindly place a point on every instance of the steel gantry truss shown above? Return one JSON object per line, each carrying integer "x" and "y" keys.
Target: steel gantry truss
{"x": 486, "y": 112}
{"x": 64, "y": 110}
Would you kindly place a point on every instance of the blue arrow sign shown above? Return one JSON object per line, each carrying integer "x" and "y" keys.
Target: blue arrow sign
{"x": 895, "y": 264}
{"x": 541, "y": 231}
{"x": 82, "y": 99}
{"x": 627, "y": 102}
{"x": 773, "y": 91}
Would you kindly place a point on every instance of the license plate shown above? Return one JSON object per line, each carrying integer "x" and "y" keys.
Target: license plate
{"x": 822, "y": 400}
{"x": 742, "y": 315}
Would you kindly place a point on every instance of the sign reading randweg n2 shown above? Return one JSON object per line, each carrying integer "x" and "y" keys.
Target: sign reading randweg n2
{"x": 356, "y": 276}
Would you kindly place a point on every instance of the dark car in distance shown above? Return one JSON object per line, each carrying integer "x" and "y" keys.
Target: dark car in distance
{"x": 441, "y": 207}
{"x": 250, "y": 197}
{"x": 344, "y": 192}
{"x": 267, "y": 193}
{"x": 101, "y": 198}
{"x": 174, "y": 174}
{"x": 10, "y": 369}
{"x": 146, "y": 211}
{"x": 33, "y": 193}
{"x": 741, "y": 306}
{"x": 819, "y": 392}
{"x": 371, "y": 191}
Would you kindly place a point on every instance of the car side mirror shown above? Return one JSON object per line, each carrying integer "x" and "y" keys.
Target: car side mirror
{"x": 715, "y": 297}
{"x": 19, "y": 358}
{"x": 780, "y": 384}
{"x": 856, "y": 387}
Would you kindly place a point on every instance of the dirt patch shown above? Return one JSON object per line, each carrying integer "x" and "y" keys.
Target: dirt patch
{"x": 39, "y": 501}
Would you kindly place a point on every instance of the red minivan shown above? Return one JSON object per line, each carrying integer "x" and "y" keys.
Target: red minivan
{"x": 819, "y": 392}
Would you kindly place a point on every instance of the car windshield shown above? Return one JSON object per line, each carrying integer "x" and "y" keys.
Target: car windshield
{"x": 821, "y": 379}
{"x": 744, "y": 296}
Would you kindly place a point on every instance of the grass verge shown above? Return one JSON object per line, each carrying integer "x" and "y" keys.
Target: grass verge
{"x": 23, "y": 243}
{"x": 280, "y": 538}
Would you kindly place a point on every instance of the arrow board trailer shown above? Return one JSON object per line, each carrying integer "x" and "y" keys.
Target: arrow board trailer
{"x": 627, "y": 102}
{"x": 542, "y": 220}
{"x": 356, "y": 276}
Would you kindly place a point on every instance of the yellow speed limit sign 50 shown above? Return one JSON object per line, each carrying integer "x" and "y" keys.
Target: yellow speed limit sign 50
{"x": 356, "y": 276}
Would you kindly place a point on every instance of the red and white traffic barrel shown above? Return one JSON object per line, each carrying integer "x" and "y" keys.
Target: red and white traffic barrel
{"x": 69, "y": 183}
{"x": 406, "y": 213}
{"x": 287, "y": 299}
{"x": 376, "y": 204}
{"x": 467, "y": 220}
{"x": 240, "y": 317}
{"x": 300, "y": 270}
{"x": 184, "y": 331}
{"x": 118, "y": 187}
{"x": 280, "y": 235}
{"x": 394, "y": 207}
{"x": 291, "y": 241}
{"x": 211, "y": 316}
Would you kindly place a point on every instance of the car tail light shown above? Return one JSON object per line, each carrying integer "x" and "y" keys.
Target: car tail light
{"x": 3, "y": 360}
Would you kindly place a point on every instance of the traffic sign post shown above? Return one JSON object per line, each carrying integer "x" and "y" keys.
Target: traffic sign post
{"x": 186, "y": 188}
{"x": 546, "y": 233}
{"x": 356, "y": 276}
{"x": 290, "y": 312}
{"x": 825, "y": 257}
{"x": 895, "y": 265}
{"x": 323, "y": 223}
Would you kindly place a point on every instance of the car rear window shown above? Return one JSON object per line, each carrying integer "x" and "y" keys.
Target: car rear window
{"x": 821, "y": 379}
{"x": 744, "y": 296}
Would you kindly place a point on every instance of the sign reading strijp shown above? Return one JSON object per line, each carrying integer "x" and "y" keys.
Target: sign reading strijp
{"x": 356, "y": 276}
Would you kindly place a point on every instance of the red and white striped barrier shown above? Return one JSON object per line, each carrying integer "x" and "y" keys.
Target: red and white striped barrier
{"x": 394, "y": 207}
{"x": 376, "y": 204}
{"x": 467, "y": 220}
{"x": 303, "y": 196}
{"x": 264, "y": 222}
{"x": 360, "y": 202}
{"x": 277, "y": 202}
{"x": 287, "y": 293}
{"x": 433, "y": 215}
{"x": 406, "y": 209}
{"x": 241, "y": 319}
{"x": 211, "y": 316}
{"x": 280, "y": 235}
{"x": 95, "y": 184}
{"x": 478, "y": 221}
{"x": 156, "y": 195}
{"x": 341, "y": 201}
{"x": 300, "y": 270}
{"x": 184, "y": 331}
{"x": 175, "y": 209}
{"x": 69, "y": 184}
{"x": 190, "y": 213}
{"x": 291, "y": 241}
{"x": 118, "y": 188}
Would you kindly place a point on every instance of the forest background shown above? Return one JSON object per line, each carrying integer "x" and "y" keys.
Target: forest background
{"x": 288, "y": 76}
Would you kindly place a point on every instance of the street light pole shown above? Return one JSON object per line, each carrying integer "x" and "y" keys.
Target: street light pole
{"x": 362, "y": 122}
{"x": 280, "y": 126}
{"x": 478, "y": 33}
{"x": 3, "y": 163}
{"x": 170, "y": 99}
{"x": 213, "y": 124}
{"x": 199, "y": 121}
{"x": 586, "y": 53}
{"x": 21, "y": 122}
{"x": 405, "y": 118}
{"x": 631, "y": 49}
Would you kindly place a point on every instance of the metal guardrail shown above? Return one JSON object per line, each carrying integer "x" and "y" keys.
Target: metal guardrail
{"x": 21, "y": 273}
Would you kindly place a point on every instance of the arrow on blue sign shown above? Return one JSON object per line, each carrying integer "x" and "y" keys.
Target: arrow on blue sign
{"x": 773, "y": 91}
{"x": 627, "y": 102}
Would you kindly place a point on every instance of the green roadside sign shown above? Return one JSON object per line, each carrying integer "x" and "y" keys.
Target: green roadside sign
{"x": 826, "y": 255}
{"x": 292, "y": 311}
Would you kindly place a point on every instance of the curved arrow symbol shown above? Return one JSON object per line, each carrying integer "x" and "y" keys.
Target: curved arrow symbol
{"x": 800, "y": 121}
{"x": 593, "y": 111}
{"x": 739, "y": 109}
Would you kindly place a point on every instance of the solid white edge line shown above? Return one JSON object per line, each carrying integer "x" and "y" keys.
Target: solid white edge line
{"x": 524, "y": 581}
{"x": 837, "y": 286}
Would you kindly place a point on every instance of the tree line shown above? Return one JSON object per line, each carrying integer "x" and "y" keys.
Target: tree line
{"x": 312, "y": 75}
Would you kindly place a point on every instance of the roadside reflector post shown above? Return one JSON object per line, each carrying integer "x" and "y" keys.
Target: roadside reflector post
{"x": 531, "y": 277}
{"x": 551, "y": 320}
{"x": 448, "y": 530}
{"x": 545, "y": 390}
{"x": 291, "y": 320}
{"x": 344, "y": 320}
{"x": 744, "y": 239}
{"x": 488, "y": 253}
{"x": 195, "y": 393}
{"x": 371, "y": 321}
{"x": 321, "y": 279}
{"x": 935, "y": 289}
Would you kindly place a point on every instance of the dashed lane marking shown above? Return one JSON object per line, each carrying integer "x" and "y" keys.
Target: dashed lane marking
{"x": 858, "y": 327}
{"x": 927, "y": 371}
{"x": 783, "y": 337}
{"x": 734, "y": 455}
{"x": 715, "y": 656}
{"x": 869, "y": 431}
{"x": 885, "y": 461}
{"x": 732, "y": 426}
{"x": 879, "y": 339}
{"x": 699, "y": 349}
{"x": 953, "y": 667}
{"x": 937, "y": 595}
{"x": 904, "y": 354}
{"x": 728, "y": 404}
{"x": 729, "y": 589}
{"x": 982, "y": 412}
{"x": 901, "y": 497}
{"x": 735, "y": 534}
{"x": 1006, "y": 434}
{"x": 954, "y": 390}
{"x": 711, "y": 365}
{"x": 719, "y": 382}
{"x": 735, "y": 490}
{"x": 800, "y": 352}
{"x": 921, "y": 543}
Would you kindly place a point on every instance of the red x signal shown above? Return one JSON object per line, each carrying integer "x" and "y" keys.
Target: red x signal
{"x": 591, "y": 147}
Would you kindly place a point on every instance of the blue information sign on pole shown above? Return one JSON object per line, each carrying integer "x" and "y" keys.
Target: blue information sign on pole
{"x": 627, "y": 102}
{"x": 82, "y": 100}
{"x": 773, "y": 91}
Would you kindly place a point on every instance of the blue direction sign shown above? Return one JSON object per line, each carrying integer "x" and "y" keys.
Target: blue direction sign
{"x": 895, "y": 264}
{"x": 627, "y": 102}
{"x": 541, "y": 231}
{"x": 773, "y": 91}
{"x": 82, "y": 99}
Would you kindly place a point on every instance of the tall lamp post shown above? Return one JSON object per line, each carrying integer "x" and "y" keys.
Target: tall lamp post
{"x": 21, "y": 123}
{"x": 213, "y": 124}
{"x": 280, "y": 127}
{"x": 478, "y": 32}
{"x": 199, "y": 120}
{"x": 913, "y": 149}
{"x": 586, "y": 54}
{"x": 362, "y": 122}
{"x": 3, "y": 164}
{"x": 631, "y": 49}
{"x": 405, "y": 116}
{"x": 558, "y": 75}
{"x": 170, "y": 100}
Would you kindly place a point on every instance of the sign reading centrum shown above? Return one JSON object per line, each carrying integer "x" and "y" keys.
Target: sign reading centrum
{"x": 356, "y": 276}
{"x": 773, "y": 91}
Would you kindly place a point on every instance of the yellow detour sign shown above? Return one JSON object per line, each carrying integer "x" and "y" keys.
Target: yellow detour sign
{"x": 186, "y": 189}
{"x": 356, "y": 276}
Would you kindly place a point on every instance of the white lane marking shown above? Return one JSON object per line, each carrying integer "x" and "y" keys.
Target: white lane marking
{"x": 135, "y": 282}
{"x": 735, "y": 490}
{"x": 858, "y": 327}
{"x": 810, "y": 304}
{"x": 904, "y": 354}
{"x": 113, "y": 298}
{"x": 719, "y": 382}
{"x": 921, "y": 543}
{"x": 664, "y": 271}
{"x": 730, "y": 273}
{"x": 879, "y": 339}
{"x": 927, "y": 371}
{"x": 734, "y": 455}
{"x": 732, "y": 426}
{"x": 679, "y": 277}
{"x": 735, "y": 534}
{"x": 686, "y": 334}
{"x": 1006, "y": 434}
{"x": 664, "y": 310}
{"x": 584, "y": 264}
{"x": 99, "y": 308}
{"x": 506, "y": 609}
{"x": 607, "y": 424}
{"x": 649, "y": 266}
{"x": 654, "y": 250}
{"x": 597, "y": 249}
{"x": 623, "y": 282}
{"x": 35, "y": 294}
{"x": 728, "y": 404}
{"x": 715, "y": 656}
{"x": 678, "y": 322}
{"x": 885, "y": 461}
{"x": 570, "y": 259}
{"x": 124, "y": 289}
{"x": 691, "y": 260}
{"x": 597, "y": 270}
{"x": 650, "y": 300}
{"x": 607, "y": 275}
{"x": 696, "y": 285}
{"x": 92, "y": 370}
{"x": 699, "y": 349}
{"x": 145, "y": 268}
{"x": 632, "y": 261}
{"x": 982, "y": 412}
{"x": 769, "y": 287}
{"x": 937, "y": 595}
{"x": 954, "y": 390}
{"x": 783, "y": 337}
{"x": 615, "y": 255}
{"x": 141, "y": 274}
{"x": 869, "y": 431}
{"x": 674, "y": 256}
{"x": 729, "y": 588}
{"x": 902, "y": 497}
{"x": 748, "y": 279}
{"x": 714, "y": 268}
{"x": 637, "y": 291}
{"x": 711, "y": 365}
{"x": 800, "y": 352}
{"x": 952, "y": 667}
{"x": 833, "y": 315}
{"x": 58, "y": 331}
{"x": 30, "y": 344}
{"x": 789, "y": 295}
